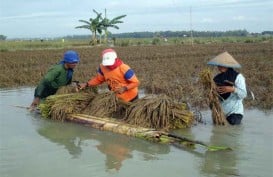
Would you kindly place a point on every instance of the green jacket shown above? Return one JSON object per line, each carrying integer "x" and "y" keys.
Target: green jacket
{"x": 54, "y": 79}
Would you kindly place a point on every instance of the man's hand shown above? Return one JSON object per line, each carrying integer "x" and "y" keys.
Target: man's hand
{"x": 82, "y": 86}
{"x": 121, "y": 90}
{"x": 34, "y": 103}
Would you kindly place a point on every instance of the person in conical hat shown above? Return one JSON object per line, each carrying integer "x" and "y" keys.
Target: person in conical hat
{"x": 224, "y": 59}
{"x": 231, "y": 87}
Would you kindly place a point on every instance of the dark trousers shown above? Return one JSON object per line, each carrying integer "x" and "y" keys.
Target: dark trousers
{"x": 234, "y": 119}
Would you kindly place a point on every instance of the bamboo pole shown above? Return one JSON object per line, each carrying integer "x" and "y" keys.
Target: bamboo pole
{"x": 117, "y": 126}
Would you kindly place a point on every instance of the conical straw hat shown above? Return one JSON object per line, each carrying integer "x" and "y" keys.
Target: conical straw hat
{"x": 224, "y": 59}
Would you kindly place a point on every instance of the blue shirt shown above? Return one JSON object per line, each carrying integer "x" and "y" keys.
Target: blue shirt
{"x": 234, "y": 103}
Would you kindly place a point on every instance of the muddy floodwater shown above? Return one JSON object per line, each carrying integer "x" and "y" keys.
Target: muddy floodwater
{"x": 31, "y": 146}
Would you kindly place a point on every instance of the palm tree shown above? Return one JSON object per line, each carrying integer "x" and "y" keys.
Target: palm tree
{"x": 94, "y": 25}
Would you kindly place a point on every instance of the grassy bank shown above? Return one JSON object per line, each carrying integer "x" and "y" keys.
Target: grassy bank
{"x": 37, "y": 44}
{"x": 170, "y": 69}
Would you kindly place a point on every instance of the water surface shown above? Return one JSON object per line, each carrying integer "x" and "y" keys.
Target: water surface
{"x": 33, "y": 146}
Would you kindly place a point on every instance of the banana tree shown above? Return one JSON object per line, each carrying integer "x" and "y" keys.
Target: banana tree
{"x": 111, "y": 24}
{"x": 94, "y": 25}
{"x": 108, "y": 23}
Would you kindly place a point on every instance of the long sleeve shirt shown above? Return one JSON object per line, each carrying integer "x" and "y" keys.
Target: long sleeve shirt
{"x": 54, "y": 79}
{"x": 122, "y": 76}
{"x": 234, "y": 103}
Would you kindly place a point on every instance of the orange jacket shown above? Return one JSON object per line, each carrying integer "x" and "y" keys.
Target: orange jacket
{"x": 121, "y": 76}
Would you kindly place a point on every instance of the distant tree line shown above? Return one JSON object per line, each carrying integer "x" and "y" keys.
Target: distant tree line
{"x": 167, "y": 34}
{"x": 182, "y": 34}
{"x": 267, "y": 33}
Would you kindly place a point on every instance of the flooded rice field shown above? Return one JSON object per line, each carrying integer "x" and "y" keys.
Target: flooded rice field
{"x": 33, "y": 146}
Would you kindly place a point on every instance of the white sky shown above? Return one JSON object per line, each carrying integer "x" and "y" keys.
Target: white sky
{"x": 56, "y": 18}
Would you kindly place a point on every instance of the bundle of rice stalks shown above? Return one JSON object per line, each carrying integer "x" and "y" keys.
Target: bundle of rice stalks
{"x": 66, "y": 89}
{"x": 212, "y": 96}
{"x": 104, "y": 105}
{"x": 58, "y": 106}
{"x": 159, "y": 112}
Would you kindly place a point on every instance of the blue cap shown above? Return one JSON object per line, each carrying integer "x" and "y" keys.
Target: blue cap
{"x": 71, "y": 56}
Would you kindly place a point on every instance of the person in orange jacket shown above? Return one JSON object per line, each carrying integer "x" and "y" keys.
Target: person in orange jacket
{"x": 119, "y": 77}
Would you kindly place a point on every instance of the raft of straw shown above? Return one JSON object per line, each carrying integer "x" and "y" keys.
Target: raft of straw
{"x": 159, "y": 111}
{"x": 212, "y": 96}
{"x": 152, "y": 111}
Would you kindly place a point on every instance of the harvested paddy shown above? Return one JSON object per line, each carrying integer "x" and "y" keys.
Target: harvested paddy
{"x": 172, "y": 69}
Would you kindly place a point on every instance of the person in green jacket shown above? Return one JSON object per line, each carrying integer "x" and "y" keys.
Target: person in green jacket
{"x": 57, "y": 76}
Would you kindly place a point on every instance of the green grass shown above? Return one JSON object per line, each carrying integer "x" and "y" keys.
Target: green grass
{"x": 13, "y": 45}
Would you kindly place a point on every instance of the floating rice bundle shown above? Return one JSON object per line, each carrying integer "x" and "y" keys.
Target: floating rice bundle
{"x": 212, "y": 96}
{"x": 104, "y": 105}
{"x": 159, "y": 112}
{"x": 59, "y": 106}
{"x": 66, "y": 90}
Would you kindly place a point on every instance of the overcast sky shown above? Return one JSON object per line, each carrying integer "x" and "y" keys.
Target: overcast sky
{"x": 56, "y": 18}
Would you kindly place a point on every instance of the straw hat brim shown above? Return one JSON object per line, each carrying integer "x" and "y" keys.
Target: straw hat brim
{"x": 224, "y": 59}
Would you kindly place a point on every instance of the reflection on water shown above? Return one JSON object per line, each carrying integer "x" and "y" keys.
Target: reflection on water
{"x": 63, "y": 135}
{"x": 116, "y": 148}
{"x": 251, "y": 144}
{"x": 116, "y": 151}
{"x": 222, "y": 163}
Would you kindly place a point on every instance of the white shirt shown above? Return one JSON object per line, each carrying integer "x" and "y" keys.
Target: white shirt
{"x": 234, "y": 103}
